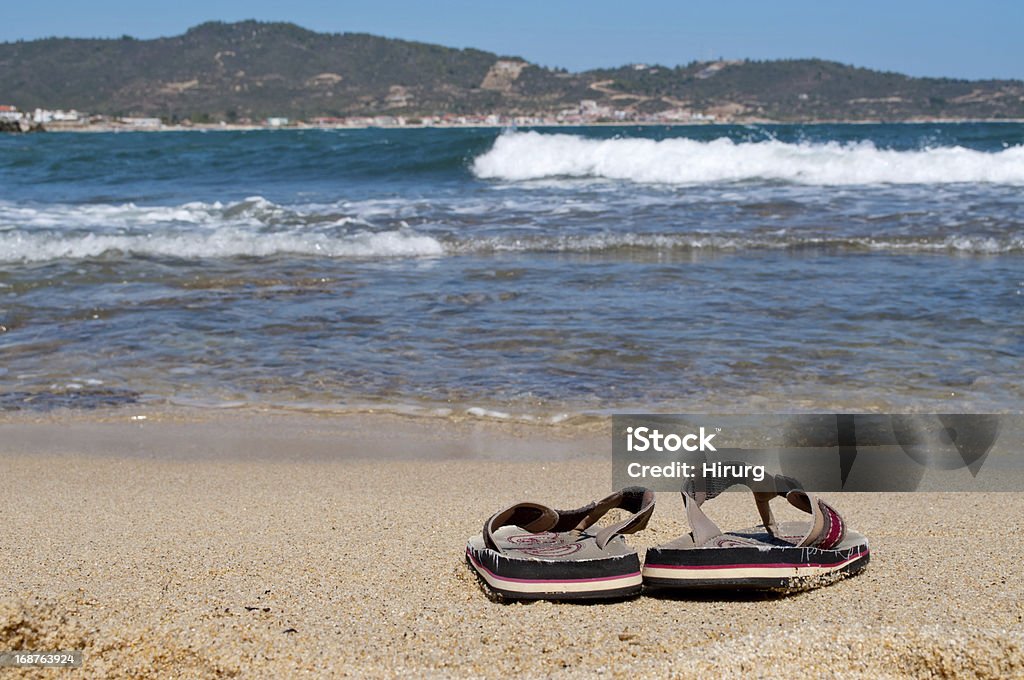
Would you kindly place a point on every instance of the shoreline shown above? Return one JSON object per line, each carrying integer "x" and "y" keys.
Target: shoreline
{"x": 254, "y": 544}
{"x": 165, "y": 410}
{"x": 264, "y": 434}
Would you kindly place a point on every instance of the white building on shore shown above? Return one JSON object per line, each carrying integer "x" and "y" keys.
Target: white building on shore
{"x": 10, "y": 113}
{"x": 56, "y": 116}
{"x": 148, "y": 123}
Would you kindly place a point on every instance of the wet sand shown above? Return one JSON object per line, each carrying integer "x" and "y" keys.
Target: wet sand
{"x": 219, "y": 544}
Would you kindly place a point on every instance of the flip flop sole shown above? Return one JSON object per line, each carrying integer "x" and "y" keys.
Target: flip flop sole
{"x": 775, "y": 568}
{"x": 540, "y": 580}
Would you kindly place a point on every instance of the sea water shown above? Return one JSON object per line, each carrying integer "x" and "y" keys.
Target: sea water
{"x": 539, "y": 273}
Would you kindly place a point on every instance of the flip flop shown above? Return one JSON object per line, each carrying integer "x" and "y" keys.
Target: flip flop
{"x": 531, "y": 552}
{"x": 770, "y": 556}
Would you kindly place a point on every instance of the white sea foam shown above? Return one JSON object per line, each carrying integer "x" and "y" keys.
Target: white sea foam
{"x": 224, "y": 242}
{"x": 531, "y": 155}
{"x": 779, "y": 240}
{"x": 254, "y": 227}
{"x": 479, "y": 412}
{"x": 253, "y": 211}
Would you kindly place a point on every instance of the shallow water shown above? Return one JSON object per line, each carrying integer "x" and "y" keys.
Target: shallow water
{"x": 544, "y": 273}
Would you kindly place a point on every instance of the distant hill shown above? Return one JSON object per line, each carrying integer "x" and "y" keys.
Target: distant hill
{"x": 219, "y": 71}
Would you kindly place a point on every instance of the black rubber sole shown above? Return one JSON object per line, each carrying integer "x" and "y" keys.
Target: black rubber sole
{"x": 505, "y": 587}
{"x": 697, "y": 573}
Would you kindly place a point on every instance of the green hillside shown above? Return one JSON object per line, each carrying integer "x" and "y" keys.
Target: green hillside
{"x": 252, "y": 70}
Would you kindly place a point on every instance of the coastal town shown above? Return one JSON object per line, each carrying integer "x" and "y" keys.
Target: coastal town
{"x": 588, "y": 112}
{"x": 260, "y": 75}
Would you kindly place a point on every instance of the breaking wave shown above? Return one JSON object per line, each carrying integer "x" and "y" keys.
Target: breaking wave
{"x": 252, "y": 211}
{"x": 254, "y": 227}
{"x": 258, "y": 228}
{"x": 518, "y": 156}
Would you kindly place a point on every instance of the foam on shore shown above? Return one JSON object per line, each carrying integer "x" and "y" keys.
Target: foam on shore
{"x": 222, "y": 243}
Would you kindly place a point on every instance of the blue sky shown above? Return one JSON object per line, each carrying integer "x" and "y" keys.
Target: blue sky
{"x": 981, "y": 39}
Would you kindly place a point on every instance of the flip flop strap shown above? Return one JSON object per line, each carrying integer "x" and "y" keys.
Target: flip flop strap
{"x": 635, "y": 499}
{"x": 701, "y": 526}
{"x": 532, "y": 517}
{"x": 536, "y": 518}
{"x": 697, "y": 491}
{"x": 827, "y": 528}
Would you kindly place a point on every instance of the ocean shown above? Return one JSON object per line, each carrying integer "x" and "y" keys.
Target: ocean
{"x": 542, "y": 274}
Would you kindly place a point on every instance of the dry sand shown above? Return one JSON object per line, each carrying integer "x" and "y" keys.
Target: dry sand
{"x": 260, "y": 545}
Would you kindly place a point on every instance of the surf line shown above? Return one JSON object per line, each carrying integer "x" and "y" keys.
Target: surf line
{"x": 737, "y": 472}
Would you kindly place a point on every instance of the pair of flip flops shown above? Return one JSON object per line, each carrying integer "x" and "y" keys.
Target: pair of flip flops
{"x": 531, "y": 552}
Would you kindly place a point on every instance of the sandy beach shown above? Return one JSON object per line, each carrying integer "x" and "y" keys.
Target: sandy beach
{"x": 246, "y": 544}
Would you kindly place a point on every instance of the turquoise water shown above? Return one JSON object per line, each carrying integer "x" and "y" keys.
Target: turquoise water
{"x": 537, "y": 273}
